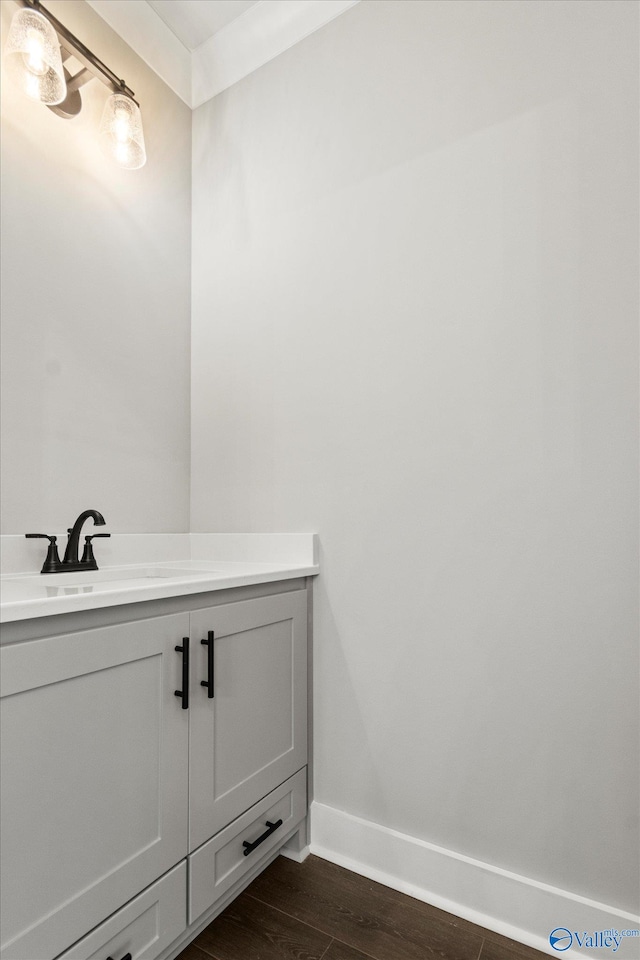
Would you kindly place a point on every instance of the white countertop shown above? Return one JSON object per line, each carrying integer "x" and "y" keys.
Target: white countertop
{"x": 27, "y": 595}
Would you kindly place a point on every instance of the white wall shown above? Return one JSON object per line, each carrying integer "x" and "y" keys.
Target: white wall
{"x": 95, "y": 306}
{"x": 414, "y": 331}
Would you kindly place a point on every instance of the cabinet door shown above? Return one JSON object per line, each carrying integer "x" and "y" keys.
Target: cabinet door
{"x": 252, "y": 734}
{"x": 93, "y": 779}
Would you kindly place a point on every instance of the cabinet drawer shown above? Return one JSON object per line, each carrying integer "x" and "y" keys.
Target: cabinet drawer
{"x": 220, "y": 862}
{"x": 144, "y": 928}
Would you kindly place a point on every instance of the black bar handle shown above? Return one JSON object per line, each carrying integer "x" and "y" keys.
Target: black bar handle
{"x": 127, "y": 956}
{"x": 208, "y": 683}
{"x": 250, "y": 847}
{"x": 184, "y": 693}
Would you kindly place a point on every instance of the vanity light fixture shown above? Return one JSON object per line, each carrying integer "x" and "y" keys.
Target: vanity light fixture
{"x": 35, "y": 51}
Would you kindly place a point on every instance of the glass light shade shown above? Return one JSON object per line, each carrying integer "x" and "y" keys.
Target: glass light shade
{"x": 121, "y": 132}
{"x": 32, "y": 57}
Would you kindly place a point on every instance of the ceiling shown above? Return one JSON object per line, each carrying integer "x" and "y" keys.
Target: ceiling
{"x": 194, "y": 21}
{"x": 202, "y": 47}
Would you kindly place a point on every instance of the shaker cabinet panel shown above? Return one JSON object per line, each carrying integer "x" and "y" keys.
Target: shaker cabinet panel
{"x": 252, "y": 734}
{"x": 93, "y": 803}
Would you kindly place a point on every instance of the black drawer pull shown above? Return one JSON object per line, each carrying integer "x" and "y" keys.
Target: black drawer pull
{"x": 127, "y": 956}
{"x": 184, "y": 693}
{"x": 249, "y": 847}
{"x": 208, "y": 683}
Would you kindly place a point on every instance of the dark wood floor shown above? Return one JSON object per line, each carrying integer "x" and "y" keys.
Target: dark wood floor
{"x": 318, "y": 911}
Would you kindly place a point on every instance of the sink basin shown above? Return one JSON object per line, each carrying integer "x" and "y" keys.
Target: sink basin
{"x": 40, "y": 586}
{"x": 120, "y": 576}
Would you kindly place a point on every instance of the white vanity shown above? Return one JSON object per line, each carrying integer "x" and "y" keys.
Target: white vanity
{"x": 154, "y": 753}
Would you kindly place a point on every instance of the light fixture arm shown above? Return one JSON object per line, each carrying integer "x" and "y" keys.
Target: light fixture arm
{"x": 78, "y": 80}
{"x": 92, "y": 66}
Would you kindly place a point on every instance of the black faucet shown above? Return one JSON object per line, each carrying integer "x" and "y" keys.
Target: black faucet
{"x": 70, "y": 562}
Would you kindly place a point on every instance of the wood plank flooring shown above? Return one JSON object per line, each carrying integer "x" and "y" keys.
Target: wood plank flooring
{"x": 319, "y": 911}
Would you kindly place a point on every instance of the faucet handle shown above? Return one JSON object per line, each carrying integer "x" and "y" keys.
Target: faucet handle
{"x": 52, "y": 561}
{"x": 87, "y": 553}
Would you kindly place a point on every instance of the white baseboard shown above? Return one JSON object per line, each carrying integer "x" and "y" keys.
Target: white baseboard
{"x": 514, "y": 906}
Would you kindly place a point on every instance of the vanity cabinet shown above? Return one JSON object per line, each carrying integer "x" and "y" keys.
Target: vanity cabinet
{"x": 114, "y": 791}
